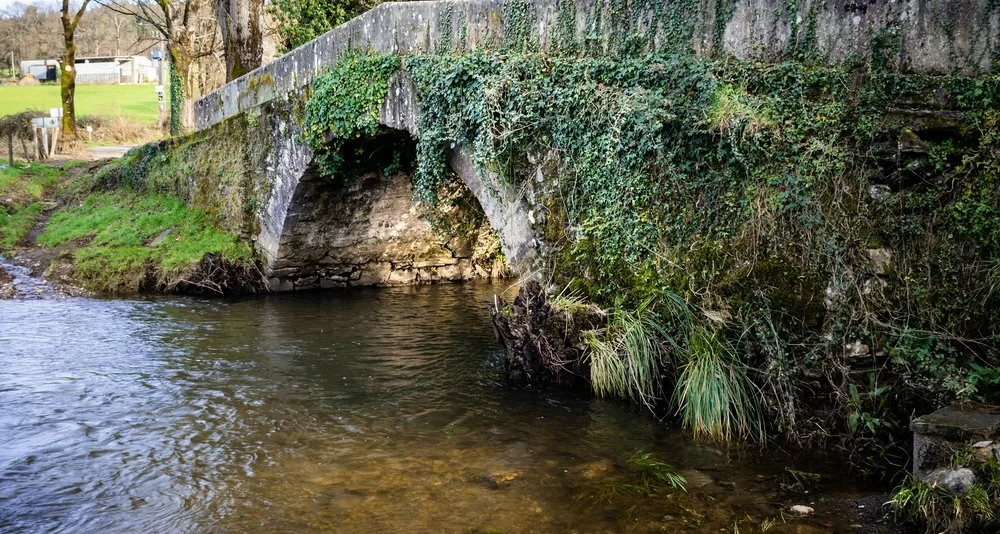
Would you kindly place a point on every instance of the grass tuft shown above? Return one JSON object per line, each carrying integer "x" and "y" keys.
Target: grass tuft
{"x": 626, "y": 356}
{"x": 736, "y": 114}
{"x": 714, "y": 396}
{"x": 940, "y": 510}
{"x": 655, "y": 472}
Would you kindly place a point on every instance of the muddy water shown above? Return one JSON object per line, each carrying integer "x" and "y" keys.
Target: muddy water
{"x": 362, "y": 411}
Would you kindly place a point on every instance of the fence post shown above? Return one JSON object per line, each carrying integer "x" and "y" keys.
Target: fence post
{"x": 55, "y": 141}
{"x": 44, "y": 132}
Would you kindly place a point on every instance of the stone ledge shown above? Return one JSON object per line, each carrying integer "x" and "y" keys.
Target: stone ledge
{"x": 960, "y": 422}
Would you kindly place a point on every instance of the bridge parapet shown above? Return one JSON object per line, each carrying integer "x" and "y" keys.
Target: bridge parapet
{"x": 923, "y": 36}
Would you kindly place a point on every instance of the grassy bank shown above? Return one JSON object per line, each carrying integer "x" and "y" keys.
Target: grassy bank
{"x": 116, "y": 241}
{"x": 22, "y": 188}
{"x": 136, "y": 102}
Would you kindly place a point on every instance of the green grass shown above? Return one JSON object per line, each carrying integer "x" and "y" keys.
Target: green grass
{"x": 21, "y": 187}
{"x": 627, "y": 355}
{"x": 14, "y": 226}
{"x": 940, "y": 510}
{"x": 119, "y": 225}
{"x": 715, "y": 398}
{"x": 137, "y": 102}
{"x": 649, "y": 475}
{"x": 27, "y": 180}
{"x": 655, "y": 472}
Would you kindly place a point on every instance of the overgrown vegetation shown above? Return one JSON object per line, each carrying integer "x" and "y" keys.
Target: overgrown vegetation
{"x": 832, "y": 230}
{"x": 344, "y": 106}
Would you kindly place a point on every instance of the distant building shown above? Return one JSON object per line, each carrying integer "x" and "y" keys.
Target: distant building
{"x": 96, "y": 70}
{"x": 46, "y": 70}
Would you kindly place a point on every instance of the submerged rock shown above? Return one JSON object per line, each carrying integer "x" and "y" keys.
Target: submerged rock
{"x": 7, "y": 289}
{"x": 801, "y": 510}
{"x": 497, "y": 480}
{"x": 595, "y": 470}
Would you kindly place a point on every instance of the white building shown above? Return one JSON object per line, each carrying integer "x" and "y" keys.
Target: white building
{"x": 97, "y": 70}
{"x": 46, "y": 70}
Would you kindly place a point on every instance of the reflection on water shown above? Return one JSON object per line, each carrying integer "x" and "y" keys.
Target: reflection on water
{"x": 373, "y": 410}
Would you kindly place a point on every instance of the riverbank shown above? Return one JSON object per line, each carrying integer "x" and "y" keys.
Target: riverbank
{"x": 56, "y": 220}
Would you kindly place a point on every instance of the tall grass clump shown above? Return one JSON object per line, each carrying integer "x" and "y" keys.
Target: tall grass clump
{"x": 940, "y": 510}
{"x": 626, "y": 357}
{"x": 715, "y": 398}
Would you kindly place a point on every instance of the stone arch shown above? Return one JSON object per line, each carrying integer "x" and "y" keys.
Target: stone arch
{"x": 504, "y": 205}
{"x": 316, "y": 233}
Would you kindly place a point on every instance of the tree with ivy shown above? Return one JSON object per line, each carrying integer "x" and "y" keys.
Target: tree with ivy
{"x": 301, "y": 21}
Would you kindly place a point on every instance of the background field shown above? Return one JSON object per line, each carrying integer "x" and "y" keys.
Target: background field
{"x": 136, "y": 102}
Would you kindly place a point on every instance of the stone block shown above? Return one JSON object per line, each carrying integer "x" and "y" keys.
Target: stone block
{"x": 373, "y": 274}
{"x": 280, "y": 284}
{"x": 936, "y": 434}
{"x": 327, "y": 283}
{"x": 402, "y": 277}
{"x": 310, "y": 282}
{"x": 435, "y": 262}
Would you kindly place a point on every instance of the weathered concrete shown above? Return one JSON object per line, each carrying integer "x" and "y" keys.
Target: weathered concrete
{"x": 924, "y": 36}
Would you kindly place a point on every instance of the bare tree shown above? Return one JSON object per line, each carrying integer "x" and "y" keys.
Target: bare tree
{"x": 68, "y": 72}
{"x": 29, "y": 32}
{"x": 191, "y": 36}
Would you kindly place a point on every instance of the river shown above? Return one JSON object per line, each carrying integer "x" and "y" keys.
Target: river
{"x": 354, "y": 411}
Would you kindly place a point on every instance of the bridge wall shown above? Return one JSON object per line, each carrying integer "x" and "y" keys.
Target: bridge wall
{"x": 922, "y": 36}
{"x": 309, "y": 235}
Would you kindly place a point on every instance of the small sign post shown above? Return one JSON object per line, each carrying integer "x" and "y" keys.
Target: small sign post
{"x": 160, "y": 94}
{"x": 46, "y": 128}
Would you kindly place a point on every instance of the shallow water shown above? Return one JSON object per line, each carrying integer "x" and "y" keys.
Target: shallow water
{"x": 356, "y": 411}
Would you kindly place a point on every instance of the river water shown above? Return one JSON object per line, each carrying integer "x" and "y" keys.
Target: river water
{"x": 353, "y": 411}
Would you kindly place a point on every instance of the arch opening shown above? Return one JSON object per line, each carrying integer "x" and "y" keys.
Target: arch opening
{"x": 365, "y": 227}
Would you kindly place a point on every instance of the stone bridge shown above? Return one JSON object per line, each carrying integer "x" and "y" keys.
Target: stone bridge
{"x": 375, "y": 233}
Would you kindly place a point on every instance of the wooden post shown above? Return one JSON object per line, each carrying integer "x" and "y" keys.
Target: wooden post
{"x": 45, "y": 142}
{"x": 34, "y": 142}
{"x": 55, "y": 141}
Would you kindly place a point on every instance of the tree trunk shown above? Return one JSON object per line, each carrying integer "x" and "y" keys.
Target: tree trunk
{"x": 242, "y": 39}
{"x": 67, "y": 78}
{"x": 67, "y": 84}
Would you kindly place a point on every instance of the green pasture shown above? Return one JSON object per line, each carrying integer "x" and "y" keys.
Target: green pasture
{"x": 137, "y": 102}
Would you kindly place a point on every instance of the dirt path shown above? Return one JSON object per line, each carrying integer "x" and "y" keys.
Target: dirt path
{"x": 105, "y": 152}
